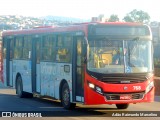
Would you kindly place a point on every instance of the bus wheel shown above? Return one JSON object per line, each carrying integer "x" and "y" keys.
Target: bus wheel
{"x": 65, "y": 97}
{"x": 19, "y": 88}
{"x": 122, "y": 106}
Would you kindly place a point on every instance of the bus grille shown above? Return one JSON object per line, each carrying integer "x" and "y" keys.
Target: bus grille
{"x": 122, "y": 80}
{"x": 115, "y": 96}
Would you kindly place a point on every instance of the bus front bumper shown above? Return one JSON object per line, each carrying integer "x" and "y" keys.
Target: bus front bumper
{"x": 118, "y": 98}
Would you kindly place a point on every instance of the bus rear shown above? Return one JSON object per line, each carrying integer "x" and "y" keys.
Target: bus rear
{"x": 119, "y": 65}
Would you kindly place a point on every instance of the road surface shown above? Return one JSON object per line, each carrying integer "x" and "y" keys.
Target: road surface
{"x": 10, "y": 102}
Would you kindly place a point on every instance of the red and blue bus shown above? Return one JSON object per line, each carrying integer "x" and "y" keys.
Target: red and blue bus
{"x": 75, "y": 63}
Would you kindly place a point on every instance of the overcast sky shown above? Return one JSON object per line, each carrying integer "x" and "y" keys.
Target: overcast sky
{"x": 79, "y": 8}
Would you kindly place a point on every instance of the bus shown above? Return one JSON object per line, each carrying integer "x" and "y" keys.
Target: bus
{"x": 74, "y": 64}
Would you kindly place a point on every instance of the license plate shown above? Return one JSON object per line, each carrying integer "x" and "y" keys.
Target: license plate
{"x": 125, "y": 97}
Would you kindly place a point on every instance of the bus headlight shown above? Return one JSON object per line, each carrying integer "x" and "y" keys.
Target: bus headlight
{"x": 91, "y": 85}
{"x": 149, "y": 87}
{"x": 95, "y": 88}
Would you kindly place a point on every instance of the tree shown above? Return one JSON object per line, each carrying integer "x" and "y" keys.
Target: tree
{"x": 137, "y": 16}
{"x": 113, "y": 18}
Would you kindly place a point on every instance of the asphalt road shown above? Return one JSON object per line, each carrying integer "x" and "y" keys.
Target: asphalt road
{"x": 10, "y": 102}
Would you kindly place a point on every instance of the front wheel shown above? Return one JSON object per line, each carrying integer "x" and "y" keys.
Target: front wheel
{"x": 65, "y": 97}
{"x": 122, "y": 106}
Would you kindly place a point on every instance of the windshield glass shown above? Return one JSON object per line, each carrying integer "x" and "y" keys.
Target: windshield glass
{"x": 120, "y": 56}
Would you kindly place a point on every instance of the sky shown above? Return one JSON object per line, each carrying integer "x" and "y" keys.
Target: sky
{"x": 84, "y": 9}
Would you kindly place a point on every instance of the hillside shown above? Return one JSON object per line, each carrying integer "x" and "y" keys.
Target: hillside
{"x": 12, "y": 22}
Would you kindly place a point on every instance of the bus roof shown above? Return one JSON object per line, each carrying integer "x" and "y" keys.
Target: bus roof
{"x": 73, "y": 27}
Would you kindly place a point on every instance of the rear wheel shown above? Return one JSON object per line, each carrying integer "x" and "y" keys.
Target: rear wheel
{"x": 19, "y": 87}
{"x": 122, "y": 106}
{"x": 65, "y": 97}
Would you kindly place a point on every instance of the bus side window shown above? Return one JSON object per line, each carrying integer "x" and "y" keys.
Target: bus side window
{"x": 63, "y": 55}
{"x": 63, "y": 52}
{"x": 18, "y": 48}
{"x": 11, "y": 48}
{"x": 48, "y": 43}
{"x": 27, "y": 47}
{"x": 4, "y": 48}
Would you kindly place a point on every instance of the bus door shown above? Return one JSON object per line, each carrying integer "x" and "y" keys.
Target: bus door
{"x": 9, "y": 55}
{"x": 36, "y": 65}
{"x": 11, "y": 62}
{"x": 78, "y": 70}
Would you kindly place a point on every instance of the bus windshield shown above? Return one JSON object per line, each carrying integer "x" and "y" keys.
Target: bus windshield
{"x": 120, "y": 56}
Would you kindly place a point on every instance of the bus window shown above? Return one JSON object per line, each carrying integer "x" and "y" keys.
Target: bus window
{"x": 18, "y": 48}
{"x": 11, "y": 48}
{"x": 48, "y": 43}
{"x": 64, "y": 49}
{"x": 59, "y": 41}
{"x": 67, "y": 41}
{"x": 4, "y": 48}
{"x": 63, "y": 55}
{"x": 27, "y": 47}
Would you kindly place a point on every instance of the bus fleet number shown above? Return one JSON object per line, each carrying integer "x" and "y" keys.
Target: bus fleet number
{"x": 136, "y": 87}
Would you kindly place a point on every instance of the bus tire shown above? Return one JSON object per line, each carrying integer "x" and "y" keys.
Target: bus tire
{"x": 65, "y": 97}
{"x": 19, "y": 87}
{"x": 122, "y": 106}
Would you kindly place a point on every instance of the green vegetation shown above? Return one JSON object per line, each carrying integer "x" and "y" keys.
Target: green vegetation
{"x": 137, "y": 16}
{"x": 113, "y": 18}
